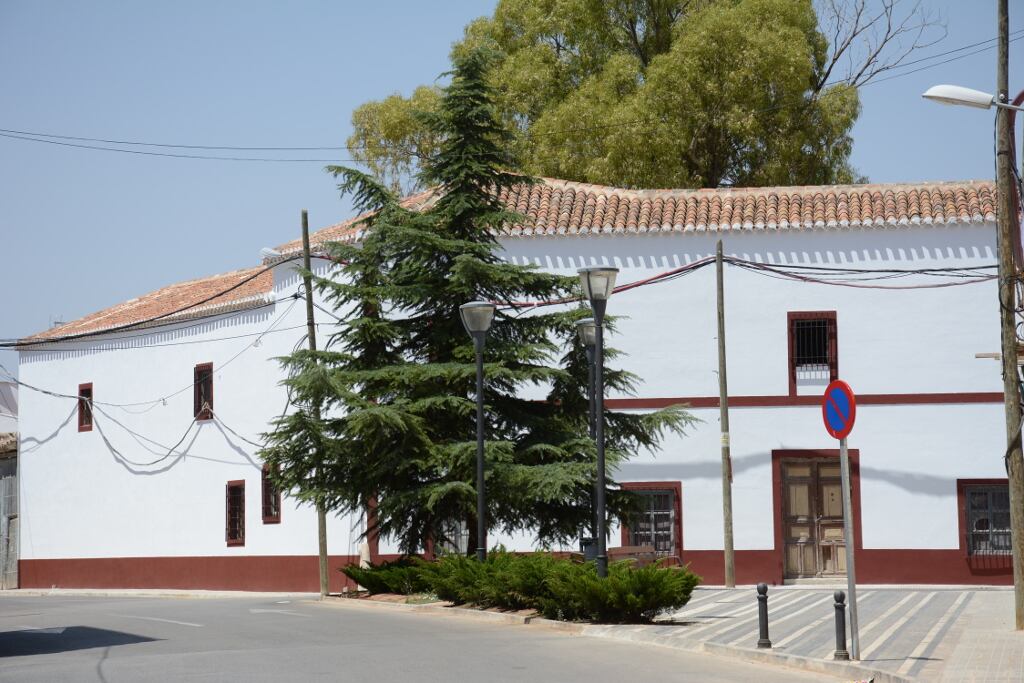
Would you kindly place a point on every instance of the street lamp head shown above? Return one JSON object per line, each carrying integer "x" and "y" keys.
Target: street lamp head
{"x": 598, "y": 282}
{"x": 477, "y": 316}
{"x": 955, "y": 94}
{"x": 587, "y": 328}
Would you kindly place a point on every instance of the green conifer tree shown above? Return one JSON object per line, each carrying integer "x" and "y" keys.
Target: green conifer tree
{"x": 397, "y": 381}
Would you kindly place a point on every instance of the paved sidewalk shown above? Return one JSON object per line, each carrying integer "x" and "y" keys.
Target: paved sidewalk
{"x": 927, "y": 633}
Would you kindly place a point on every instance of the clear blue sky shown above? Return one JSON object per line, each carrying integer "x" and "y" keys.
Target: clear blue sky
{"x": 81, "y": 230}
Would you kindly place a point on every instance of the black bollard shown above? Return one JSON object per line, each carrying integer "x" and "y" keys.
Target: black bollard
{"x": 841, "y": 652}
{"x": 762, "y": 615}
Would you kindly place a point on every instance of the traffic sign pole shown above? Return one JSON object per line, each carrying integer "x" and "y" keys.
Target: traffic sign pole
{"x": 839, "y": 412}
{"x": 851, "y": 575}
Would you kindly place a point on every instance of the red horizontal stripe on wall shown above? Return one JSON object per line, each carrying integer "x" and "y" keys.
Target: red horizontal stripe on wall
{"x": 788, "y": 401}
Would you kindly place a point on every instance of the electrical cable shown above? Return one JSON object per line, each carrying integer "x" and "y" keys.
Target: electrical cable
{"x": 122, "y": 457}
{"x": 35, "y": 136}
{"x": 153, "y": 403}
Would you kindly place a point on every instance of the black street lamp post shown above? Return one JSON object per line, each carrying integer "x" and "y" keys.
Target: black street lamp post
{"x": 587, "y": 330}
{"x": 598, "y": 284}
{"x": 476, "y": 317}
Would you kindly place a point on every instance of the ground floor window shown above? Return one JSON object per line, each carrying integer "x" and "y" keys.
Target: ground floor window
{"x": 271, "y": 499}
{"x": 988, "y": 518}
{"x": 657, "y": 522}
{"x": 235, "y": 514}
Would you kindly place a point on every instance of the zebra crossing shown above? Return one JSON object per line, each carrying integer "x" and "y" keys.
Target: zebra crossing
{"x": 901, "y": 629}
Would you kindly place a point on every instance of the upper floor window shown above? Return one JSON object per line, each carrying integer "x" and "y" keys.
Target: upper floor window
{"x": 988, "y": 519}
{"x": 813, "y": 351}
{"x": 234, "y": 531}
{"x": 85, "y": 407}
{"x": 203, "y": 392}
{"x": 271, "y": 499}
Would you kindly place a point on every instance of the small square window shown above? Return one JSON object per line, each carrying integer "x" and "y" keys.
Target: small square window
{"x": 271, "y": 499}
{"x": 203, "y": 394}
{"x": 85, "y": 407}
{"x": 234, "y": 531}
{"x": 813, "y": 350}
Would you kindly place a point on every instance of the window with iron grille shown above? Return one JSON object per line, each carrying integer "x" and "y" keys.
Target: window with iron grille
{"x": 655, "y": 524}
{"x": 813, "y": 348}
{"x": 85, "y": 407}
{"x": 234, "y": 531}
{"x": 271, "y": 499}
{"x": 203, "y": 391}
{"x": 988, "y": 519}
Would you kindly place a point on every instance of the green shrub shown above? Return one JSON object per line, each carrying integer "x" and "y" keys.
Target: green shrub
{"x": 400, "y": 576}
{"x": 559, "y": 589}
{"x": 629, "y": 594}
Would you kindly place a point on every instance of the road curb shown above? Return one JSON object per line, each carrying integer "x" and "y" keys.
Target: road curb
{"x": 143, "y": 593}
{"x": 824, "y": 666}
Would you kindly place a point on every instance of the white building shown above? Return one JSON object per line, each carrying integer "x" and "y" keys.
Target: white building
{"x": 149, "y": 492}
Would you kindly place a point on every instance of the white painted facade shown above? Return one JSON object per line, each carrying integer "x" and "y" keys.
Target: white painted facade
{"x": 80, "y": 500}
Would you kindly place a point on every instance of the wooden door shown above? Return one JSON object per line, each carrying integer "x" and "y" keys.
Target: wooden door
{"x": 812, "y": 517}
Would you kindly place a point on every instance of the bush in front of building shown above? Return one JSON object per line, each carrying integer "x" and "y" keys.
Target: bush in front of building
{"x": 562, "y": 589}
{"x": 401, "y": 576}
{"x": 628, "y": 595}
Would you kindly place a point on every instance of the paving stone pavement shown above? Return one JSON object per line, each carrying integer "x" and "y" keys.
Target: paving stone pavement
{"x": 931, "y": 633}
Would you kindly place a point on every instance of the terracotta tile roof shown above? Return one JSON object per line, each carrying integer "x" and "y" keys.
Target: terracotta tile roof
{"x": 352, "y": 228}
{"x": 560, "y": 207}
{"x": 248, "y": 293}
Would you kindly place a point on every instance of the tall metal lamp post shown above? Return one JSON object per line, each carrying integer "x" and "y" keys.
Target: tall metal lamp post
{"x": 1007, "y": 243}
{"x": 598, "y": 284}
{"x": 477, "y": 317}
{"x": 587, "y": 330}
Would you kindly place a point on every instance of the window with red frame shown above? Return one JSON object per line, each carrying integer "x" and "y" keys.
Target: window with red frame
{"x": 203, "y": 391}
{"x": 85, "y": 407}
{"x": 657, "y": 519}
{"x": 813, "y": 348}
{"x": 271, "y": 499}
{"x": 234, "y": 532}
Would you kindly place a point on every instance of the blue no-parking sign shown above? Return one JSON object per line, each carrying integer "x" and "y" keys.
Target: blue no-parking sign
{"x": 839, "y": 409}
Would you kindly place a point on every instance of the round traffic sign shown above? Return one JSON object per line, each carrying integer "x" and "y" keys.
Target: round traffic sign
{"x": 839, "y": 409}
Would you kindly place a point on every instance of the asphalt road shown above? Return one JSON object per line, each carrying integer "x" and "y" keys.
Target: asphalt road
{"x": 269, "y": 639}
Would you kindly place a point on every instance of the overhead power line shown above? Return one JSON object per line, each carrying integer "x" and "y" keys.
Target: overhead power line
{"x": 61, "y": 139}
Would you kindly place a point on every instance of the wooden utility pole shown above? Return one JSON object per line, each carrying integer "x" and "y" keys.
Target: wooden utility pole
{"x": 1007, "y": 216}
{"x": 723, "y": 407}
{"x": 307, "y": 281}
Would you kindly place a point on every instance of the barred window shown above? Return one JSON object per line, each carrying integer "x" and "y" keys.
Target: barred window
{"x": 85, "y": 407}
{"x": 203, "y": 391}
{"x": 234, "y": 531}
{"x": 988, "y": 520}
{"x": 271, "y": 499}
{"x": 655, "y": 524}
{"x": 813, "y": 348}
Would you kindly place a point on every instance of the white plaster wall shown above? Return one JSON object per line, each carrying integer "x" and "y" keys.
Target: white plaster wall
{"x": 77, "y": 501}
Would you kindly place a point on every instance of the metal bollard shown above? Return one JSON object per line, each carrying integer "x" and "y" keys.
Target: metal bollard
{"x": 762, "y": 616}
{"x": 841, "y": 652}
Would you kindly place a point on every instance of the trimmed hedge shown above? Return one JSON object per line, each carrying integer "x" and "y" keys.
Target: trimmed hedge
{"x": 559, "y": 589}
{"x": 400, "y": 576}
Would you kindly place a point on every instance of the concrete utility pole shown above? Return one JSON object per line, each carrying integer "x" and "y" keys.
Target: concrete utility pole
{"x": 723, "y": 406}
{"x": 321, "y": 514}
{"x": 1011, "y": 388}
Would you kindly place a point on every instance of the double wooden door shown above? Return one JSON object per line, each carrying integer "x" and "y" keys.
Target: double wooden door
{"x": 812, "y": 518}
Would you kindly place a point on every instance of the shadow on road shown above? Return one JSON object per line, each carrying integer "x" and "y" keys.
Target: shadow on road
{"x": 51, "y": 640}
